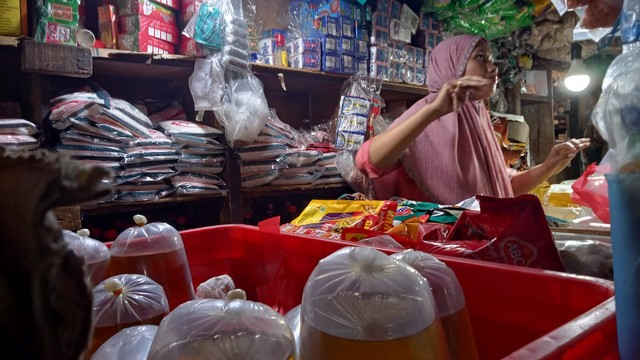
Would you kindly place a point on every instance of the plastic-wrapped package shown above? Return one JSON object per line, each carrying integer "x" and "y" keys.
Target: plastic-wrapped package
{"x": 616, "y": 113}
{"x": 362, "y": 304}
{"x": 292, "y": 317}
{"x": 261, "y": 152}
{"x": 450, "y": 300}
{"x": 94, "y": 254}
{"x": 156, "y": 250}
{"x": 123, "y": 301}
{"x": 132, "y": 343}
{"x": 244, "y": 109}
{"x": 382, "y": 241}
{"x": 234, "y": 328}
{"x": 17, "y": 127}
{"x": 260, "y": 178}
{"x": 215, "y": 288}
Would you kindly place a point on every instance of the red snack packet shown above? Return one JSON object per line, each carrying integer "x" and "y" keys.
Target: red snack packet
{"x": 516, "y": 230}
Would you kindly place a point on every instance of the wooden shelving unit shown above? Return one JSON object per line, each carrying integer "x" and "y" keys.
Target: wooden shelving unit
{"x": 47, "y": 70}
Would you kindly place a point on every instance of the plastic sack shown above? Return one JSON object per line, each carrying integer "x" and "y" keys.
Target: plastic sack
{"x": 234, "y": 328}
{"x": 384, "y": 241}
{"x": 244, "y": 109}
{"x": 345, "y": 162}
{"x": 617, "y": 112}
{"x": 156, "y": 250}
{"x": 591, "y": 189}
{"x": 206, "y": 83}
{"x": 126, "y": 300}
{"x": 215, "y": 288}
{"x": 130, "y": 343}
{"x": 450, "y": 300}
{"x": 362, "y": 304}
{"x": 94, "y": 254}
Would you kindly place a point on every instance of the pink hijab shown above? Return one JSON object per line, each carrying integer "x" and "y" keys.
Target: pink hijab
{"x": 457, "y": 156}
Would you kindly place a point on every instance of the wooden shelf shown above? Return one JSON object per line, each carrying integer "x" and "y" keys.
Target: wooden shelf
{"x": 528, "y": 99}
{"x": 112, "y": 207}
{"x": 272, "y": 191}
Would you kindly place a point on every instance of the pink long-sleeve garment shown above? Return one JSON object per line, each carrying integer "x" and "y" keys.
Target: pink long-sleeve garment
{"x": 455, "y": 157}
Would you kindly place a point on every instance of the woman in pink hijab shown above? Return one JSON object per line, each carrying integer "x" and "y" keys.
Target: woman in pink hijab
{"x": 443, "y": 149}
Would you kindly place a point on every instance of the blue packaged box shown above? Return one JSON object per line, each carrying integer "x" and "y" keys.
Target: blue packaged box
{"x": 267, "y": 46}
{"x": 331, "y": 45}
{"x": 304, "y": 46}
{"x": 362, "y": 49}
{"x": 379, "y": 37}
{"x": 348, "y": 64}
{"x": 395, "y": 9}
{"x": 347, "y": 26}
{"x": 306, "y": 61}
{"x": 335, "y": 8}
{"x": 419, "y": 57}
{"x": 330, "y": 26}
{"x": 379, "y": 54}
{"x": 379, "y": 71}
{"x": 361, "y": 66}
{"x": 358, "y": 13}
{"x": 331, "y": 63}
{"x": 383, "y": 6}
{"x": 347, "y": 46}
{"x": 380, "y": 20}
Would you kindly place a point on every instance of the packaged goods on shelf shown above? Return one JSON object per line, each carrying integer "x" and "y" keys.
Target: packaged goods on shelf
{"x": 134, "y": 24}
{"x": 143, "y": 42}
{"x": 108, "y": 25}
{"x": 146, "y": 8}
{"x": 58, "y": 22}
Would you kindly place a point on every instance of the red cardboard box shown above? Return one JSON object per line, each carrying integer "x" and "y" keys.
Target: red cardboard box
{"x": 146, "y": 8}
{"x": 142, "y": 42}
{"x": 165, "y": 31}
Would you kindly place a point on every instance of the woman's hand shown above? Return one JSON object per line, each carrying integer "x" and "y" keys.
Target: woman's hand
{"x": 562, "y": 154}
{"x": 455, "y": 93}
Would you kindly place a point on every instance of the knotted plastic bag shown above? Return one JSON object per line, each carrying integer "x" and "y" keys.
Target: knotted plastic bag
{"x": 130, "y": 343}
{"x": 155, "y": 250}
{"x": 362, "y": 304}
{"x": 230, "y": 329}
{"x": 123, "y": 301}
{"x": 94, "y": 254}
{"x": 450, "y": 300}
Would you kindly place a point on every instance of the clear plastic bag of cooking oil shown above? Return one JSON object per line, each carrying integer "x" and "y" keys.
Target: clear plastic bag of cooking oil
{"x": 360, "y": 303}
{"x": 450, "y": 301}
{"x": 123, "y": 301}
{"x": 94, "y": 254}
{"x": 229, "y": 329}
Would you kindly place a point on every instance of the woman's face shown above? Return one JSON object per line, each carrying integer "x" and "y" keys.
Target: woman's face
{"x": 481, "y": 63}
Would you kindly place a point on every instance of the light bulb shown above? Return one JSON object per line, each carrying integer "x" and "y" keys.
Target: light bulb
{"x": 577, "y": 79}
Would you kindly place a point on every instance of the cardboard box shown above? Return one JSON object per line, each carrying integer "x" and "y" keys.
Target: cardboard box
{"x": 108, "y": 26}
{"x": 144, "y": 43}
{"x": 306, "y": 61}
{"x": 147, "y": 8}
{"x": 13, "y": 18}
{"x": 165, "y": 31}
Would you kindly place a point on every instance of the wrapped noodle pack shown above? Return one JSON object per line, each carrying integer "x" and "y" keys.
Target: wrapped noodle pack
{"x": 130, "y": 343}
{"x": 450, "y": 301}
{"x": 362, "y": 304}
{"x": 123, "y": 301}
{"x": 233, "y": 328}
{"x": 94, "y": 254}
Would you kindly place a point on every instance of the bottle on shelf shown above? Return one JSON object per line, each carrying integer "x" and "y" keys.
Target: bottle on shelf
{"x": 280, "y": 53}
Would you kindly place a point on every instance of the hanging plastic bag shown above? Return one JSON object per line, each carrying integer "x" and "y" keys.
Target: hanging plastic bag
{"x": 244, "y": 111}
{"x": 591, "y": 189}
{"x": 207, "y": 83}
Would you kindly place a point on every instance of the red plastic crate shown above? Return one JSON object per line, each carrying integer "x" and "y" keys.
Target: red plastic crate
{"x": 516, "y": 313}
